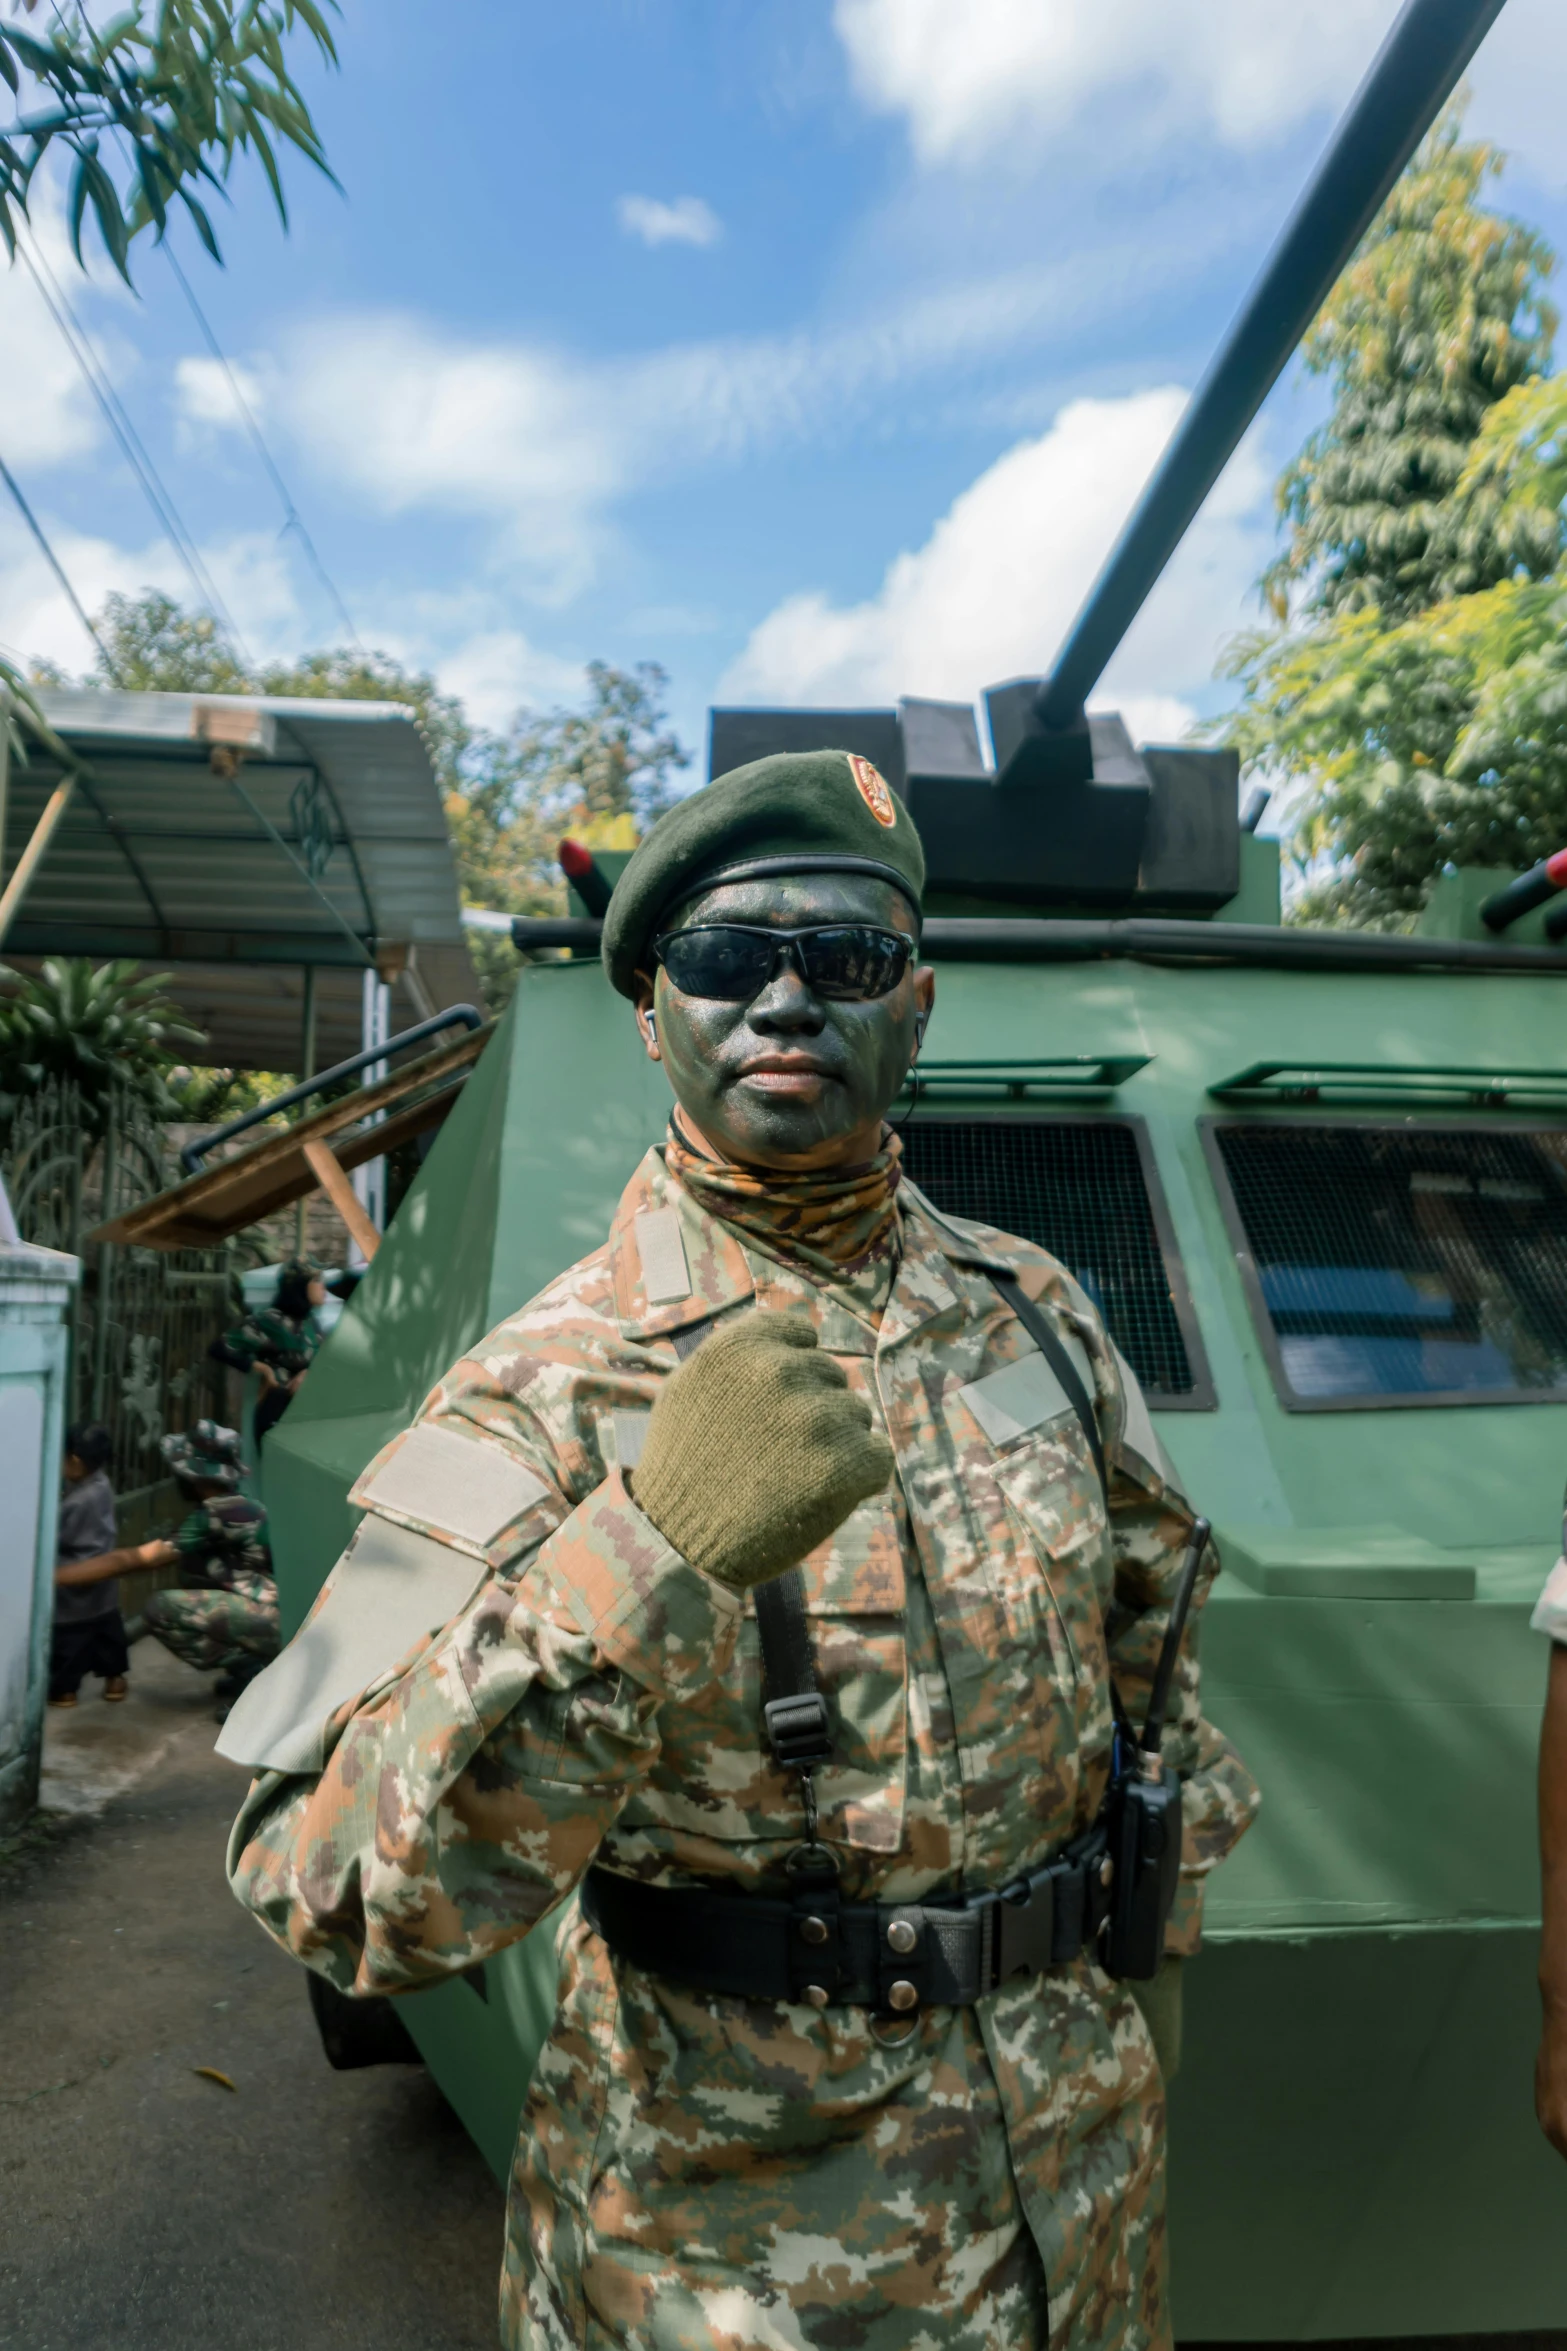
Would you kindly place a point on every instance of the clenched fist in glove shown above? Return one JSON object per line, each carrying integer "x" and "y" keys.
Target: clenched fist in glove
{"x": 756, "y": 1451}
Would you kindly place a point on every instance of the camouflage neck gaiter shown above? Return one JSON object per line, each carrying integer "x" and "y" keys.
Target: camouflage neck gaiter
{"x": 836, "y": 1222}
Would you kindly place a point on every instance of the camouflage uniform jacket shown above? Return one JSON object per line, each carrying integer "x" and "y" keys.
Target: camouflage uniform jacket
{"x": 266, "y": 1336}
{"x": 700, "y": 2171}
{"x": 222, "y": 1545}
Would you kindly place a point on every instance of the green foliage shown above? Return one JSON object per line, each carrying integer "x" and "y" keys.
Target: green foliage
{"x": 179, "y": 89}
{"x": 91, "y": 1025}
{"x": 1437, "y": 743}
{"x": 1440, "y": 315}
{"x": 207, "y": 1097}
{"x": 154, "y": 647}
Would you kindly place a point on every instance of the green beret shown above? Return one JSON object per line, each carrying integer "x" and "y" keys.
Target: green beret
{"x": 797, "y": 812}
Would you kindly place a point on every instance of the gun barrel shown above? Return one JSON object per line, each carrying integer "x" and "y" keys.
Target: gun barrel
{"x": 1413, "y": 74}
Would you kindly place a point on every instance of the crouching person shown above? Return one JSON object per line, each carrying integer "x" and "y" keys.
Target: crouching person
{"x": 223, "y": 1617}
{"x": 772, "y": 1582}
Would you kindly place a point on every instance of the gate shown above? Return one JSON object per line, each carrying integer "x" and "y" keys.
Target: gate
{"x": 142, "y": 1319}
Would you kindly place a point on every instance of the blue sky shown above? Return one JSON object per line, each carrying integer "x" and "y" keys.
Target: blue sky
{"x": 813, "y": 348}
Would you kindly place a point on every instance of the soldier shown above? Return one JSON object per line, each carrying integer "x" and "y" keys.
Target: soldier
{"x": 277, "y": 1342}
{"x": 810, "y": 2082}
{"x": 224, "y": 1617}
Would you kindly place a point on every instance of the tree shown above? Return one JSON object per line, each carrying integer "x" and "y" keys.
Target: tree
{"x": 601, "y": 773}
{"x": 1415, "y": 703}
{"x": 1441, "y": 742}
{"x": 151, "y": 646}
{"x": 179, "y": 88}
{"x": 1441, "y": 314}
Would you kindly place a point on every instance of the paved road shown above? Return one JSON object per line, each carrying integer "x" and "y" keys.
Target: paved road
{"x": 154, "y": 2211}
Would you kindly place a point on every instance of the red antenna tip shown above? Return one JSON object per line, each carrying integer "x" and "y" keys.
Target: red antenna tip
{"x": 575, "y": 860}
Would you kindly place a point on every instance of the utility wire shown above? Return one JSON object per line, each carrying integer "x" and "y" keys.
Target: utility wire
{"x": 129, "y": 441}
{"x": 293, "y": 520}
{"x": 56, "y": 566}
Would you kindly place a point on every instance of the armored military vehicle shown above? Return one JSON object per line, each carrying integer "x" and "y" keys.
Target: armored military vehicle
{"x": 1317, "y": 1183}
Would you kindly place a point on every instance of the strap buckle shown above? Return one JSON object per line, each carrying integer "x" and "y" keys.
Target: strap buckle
{"x": 798, "y": 1730}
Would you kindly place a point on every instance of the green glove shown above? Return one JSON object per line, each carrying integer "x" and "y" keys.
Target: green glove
{"x": 1160, "y": 2002}
{"x": 756, "y": 1451}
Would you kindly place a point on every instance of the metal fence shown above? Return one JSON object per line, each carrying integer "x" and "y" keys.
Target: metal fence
{"x": 143, "y": 1319}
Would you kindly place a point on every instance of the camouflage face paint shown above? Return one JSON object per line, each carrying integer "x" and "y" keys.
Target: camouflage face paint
{"x": 792, "y": 1080}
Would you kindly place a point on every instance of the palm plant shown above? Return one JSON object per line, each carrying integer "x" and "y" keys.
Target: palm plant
{"x": 95, "y": 1026}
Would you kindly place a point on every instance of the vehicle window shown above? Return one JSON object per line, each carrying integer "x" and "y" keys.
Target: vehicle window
{"x": 1406, "y": 1262}
{"x": 1079, "y": 1189}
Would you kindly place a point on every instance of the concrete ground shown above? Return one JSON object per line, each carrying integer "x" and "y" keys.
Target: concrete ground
{"x": 145, "y": 2206}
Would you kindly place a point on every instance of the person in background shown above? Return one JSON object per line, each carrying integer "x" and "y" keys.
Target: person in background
{"x": 1550, "y": 2071}
{"x": 223, "y": 1618}
{"x": 89, "y": 1632}
{"x": 278, "y": 1342}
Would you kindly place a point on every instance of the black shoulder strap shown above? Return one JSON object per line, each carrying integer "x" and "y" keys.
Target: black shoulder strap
{"x": 795, "y": 1713}
{"x": 1054, "y": 1352}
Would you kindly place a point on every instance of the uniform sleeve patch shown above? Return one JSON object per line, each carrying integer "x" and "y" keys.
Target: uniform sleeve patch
{"x": 390, "y": 1588}
{"x": 630, "y": 1432}
{"x": 1019, "y": 1397}
{"x": 461, "y": 1486}
{"x": 661, "y": 1247}
{"x": 1550, "y": 1615}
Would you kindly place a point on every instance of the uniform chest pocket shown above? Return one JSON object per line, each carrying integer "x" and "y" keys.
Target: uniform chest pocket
{"x": 715, "y": 1775}
{"x": 1045, "y": 1532}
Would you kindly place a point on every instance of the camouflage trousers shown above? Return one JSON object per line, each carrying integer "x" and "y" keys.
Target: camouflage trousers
{"x": 215, "y": 1630}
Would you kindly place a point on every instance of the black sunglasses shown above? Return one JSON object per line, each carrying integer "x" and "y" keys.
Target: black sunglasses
{"x": 733, "y": 962}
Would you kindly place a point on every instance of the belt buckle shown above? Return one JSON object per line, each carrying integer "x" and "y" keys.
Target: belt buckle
{"x": 1023, "y": 1928}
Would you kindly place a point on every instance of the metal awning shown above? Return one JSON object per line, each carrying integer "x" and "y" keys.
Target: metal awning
{"x": 225, "y": 836}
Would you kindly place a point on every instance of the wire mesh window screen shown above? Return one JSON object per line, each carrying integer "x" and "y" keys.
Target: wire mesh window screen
{"x": 1077, "y": 1190}
{"x": 1407, "y": 1262}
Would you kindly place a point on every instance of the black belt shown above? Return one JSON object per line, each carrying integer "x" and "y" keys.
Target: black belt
{"x": 890, "y": 1956}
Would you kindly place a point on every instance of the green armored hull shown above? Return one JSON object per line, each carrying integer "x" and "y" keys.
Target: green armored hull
{"x": 1346, "y": 1295}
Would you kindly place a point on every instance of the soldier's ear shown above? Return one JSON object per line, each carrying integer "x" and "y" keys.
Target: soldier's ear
{"x": 647, "y": 1018}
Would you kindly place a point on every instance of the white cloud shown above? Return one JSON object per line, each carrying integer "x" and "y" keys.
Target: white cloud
{"x": 203, "y": 394}
{"x": 1114, "y": 74}
{"x": 970, "y": 79}
{"x": 50, "y": 418}
{"x": 499, "y": 672}
{"x": 253, "y": 574}
{"x": 538, "y": 445}
{"x": 992, "y": 590}
{"x": 687, "y": 221}
{"x": 390, "y": 408}
{"x": 249, "y": 570}
{"x": 36, "y": 619}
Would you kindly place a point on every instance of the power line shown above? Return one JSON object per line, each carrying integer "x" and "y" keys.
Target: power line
{"x": 292, "y": 518}
{"x": 130, "y": 444}
{"x": 56, "y": 566}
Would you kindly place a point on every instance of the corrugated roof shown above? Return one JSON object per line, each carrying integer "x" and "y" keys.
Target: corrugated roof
{"x": 226, "y": 832}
